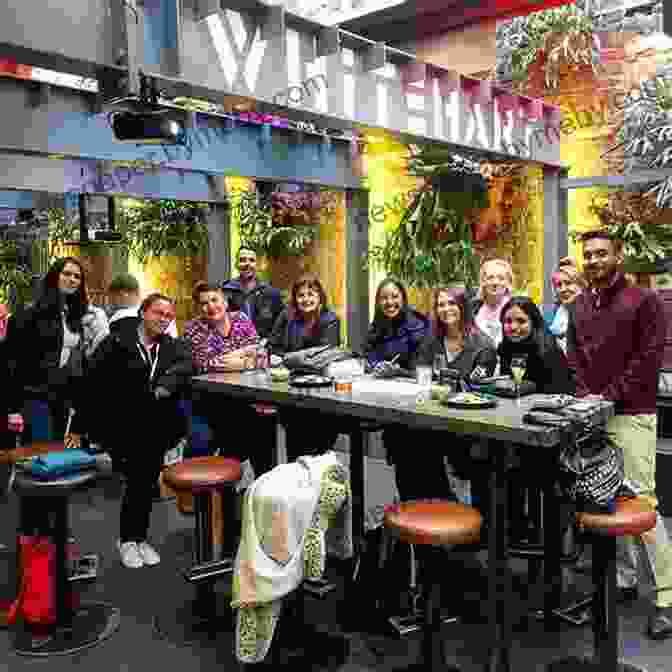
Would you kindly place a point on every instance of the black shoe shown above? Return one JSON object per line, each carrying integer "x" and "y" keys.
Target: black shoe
{"x": 660, "y": 623}
{"x": 627, "y": 595}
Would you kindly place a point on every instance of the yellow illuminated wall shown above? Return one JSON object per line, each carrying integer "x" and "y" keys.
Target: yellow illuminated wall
{"x": 386, "y": 178}
{"x": 582, "y": 152}
{"x": 234, "y": 184}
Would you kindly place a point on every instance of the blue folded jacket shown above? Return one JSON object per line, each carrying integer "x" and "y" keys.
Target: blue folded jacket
{"x": 60, "y": 463}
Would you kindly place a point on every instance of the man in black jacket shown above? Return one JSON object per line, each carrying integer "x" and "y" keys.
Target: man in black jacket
{"x": 258, "y": 300}
{"x": 143, "y": 371}
{"x": 124, "y": 297}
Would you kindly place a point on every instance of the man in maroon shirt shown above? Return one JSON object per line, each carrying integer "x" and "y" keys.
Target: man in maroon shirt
{"x": 615, "y": 344}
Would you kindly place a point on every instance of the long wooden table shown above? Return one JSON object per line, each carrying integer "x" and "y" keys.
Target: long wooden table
{"x": 500, "y": 428}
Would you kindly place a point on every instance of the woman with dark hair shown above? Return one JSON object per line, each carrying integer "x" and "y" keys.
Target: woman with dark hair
{"x": 396, "y": 332}
{"x": 142, "y": 372}
{"x": 525, "y": 335}
{"x": 306, "y": 322}
{"x": 226, "y": 340}
{"x": 456, "y": 337}
{"x": 47, "y": 346}
{"x": 468, "y": 351}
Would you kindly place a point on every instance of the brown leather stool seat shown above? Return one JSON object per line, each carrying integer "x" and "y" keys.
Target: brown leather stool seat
{"x": 631, "y": 518}
{"x": 434, "y": 523}
{"x": 211, "y": 482}
{"x": 202, "y": 474}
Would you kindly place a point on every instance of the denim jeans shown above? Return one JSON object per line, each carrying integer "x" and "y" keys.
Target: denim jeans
{"x": 44, "y": 421}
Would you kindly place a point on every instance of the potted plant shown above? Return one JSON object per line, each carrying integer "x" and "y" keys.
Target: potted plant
{"x": 552, "y": 40}
{"x": 433, "y": 243}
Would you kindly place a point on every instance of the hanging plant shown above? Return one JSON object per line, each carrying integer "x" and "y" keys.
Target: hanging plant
{"x": 644, "y": 138}
{"x": 62, "y": 229}
{"x": 284, "y": 225}
{"x": 564, "y": 36}
{"x": 156, "y": 228}
{"x": 634, "y": 218}
{"x": 433, "y": 243}
{"x": 16, "y": 278}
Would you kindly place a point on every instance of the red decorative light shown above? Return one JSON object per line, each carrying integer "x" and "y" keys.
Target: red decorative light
{"x": 513, "y": 8}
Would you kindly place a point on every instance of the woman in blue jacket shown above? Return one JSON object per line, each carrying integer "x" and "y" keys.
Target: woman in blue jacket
{"x": 396, "y": 332}
{"x": 392, "y": 349}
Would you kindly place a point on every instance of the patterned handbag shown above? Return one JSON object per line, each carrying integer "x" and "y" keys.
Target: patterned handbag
{"x": 591, "y": 468}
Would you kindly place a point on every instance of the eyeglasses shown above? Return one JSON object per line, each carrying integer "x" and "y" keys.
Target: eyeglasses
{"x": 160, "y": 314}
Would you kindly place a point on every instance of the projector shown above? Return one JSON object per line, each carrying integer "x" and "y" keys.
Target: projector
{"x": 108, "y": 236}
{"x": 147, "y": 128}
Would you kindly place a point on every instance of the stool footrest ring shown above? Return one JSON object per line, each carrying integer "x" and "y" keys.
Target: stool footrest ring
{"x": 576, "y": 664}
{"x": 208, "y": 571}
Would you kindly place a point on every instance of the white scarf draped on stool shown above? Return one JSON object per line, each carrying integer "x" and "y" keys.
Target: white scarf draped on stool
{"x": 286, "y": 515}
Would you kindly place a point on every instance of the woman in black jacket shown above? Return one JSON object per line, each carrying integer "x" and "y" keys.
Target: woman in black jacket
{"x": 471, "y": 353}
{"x": 525, "y": 335}
{"x": 306, "y": 322}
{"x": 141, "y": 373}
{"x": 46, "y": 347}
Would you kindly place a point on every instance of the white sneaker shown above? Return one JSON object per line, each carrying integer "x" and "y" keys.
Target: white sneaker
{"x": 130, "y": 554}
{"x": 148, "y": 554}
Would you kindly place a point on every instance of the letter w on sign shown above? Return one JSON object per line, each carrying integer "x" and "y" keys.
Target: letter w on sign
{"x": 239, "y": 47}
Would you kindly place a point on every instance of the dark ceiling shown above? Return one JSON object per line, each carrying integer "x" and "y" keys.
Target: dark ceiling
{"x": 418, "y": 19}
{"x": 414, "y": 20}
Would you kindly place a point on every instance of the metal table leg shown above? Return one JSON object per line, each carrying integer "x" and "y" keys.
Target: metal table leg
{"x": 498, "y": 571}
{"x": 355, "y": 590}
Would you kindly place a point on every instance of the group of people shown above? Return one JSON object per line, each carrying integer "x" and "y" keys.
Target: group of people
{"x": 123, "y": 373}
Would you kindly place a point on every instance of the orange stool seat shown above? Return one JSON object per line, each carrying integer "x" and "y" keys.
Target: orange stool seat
{"x": 631, "y": 517}
{"x": 434, "y": 523}
{"x": 31, "y": 450}
{"x": 200, "y": 474}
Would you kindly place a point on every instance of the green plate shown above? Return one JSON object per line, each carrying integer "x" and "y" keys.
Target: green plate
{"x": 453, "y": 401}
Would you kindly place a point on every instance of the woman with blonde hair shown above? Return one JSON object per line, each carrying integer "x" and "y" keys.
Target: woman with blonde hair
{"x": 496, "y": 283}
{"x": 568, "y": 283}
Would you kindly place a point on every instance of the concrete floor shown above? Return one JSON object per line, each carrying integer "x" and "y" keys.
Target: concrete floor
{"x": 141, "y": 594}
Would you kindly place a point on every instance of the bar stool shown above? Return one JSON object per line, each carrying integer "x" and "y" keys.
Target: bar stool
{"x": 631, "y": 517}
{"x": 431, "y": 526}
{"x": 202, "y": 476}
{"x": 74, "y": 628}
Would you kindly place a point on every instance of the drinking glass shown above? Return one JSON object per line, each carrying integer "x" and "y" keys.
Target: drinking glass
{"x": 440, "y": 363}
{"x": 518, "y": 369}
{"x": 423, "y": 377}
